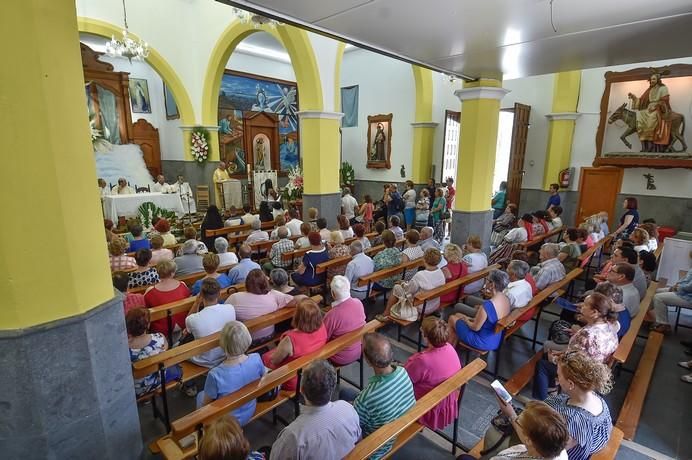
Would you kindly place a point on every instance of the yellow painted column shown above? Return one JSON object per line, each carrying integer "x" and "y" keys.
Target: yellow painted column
{"x": 423, "y": 127}
{"x": 480, "y": 116}
{"x": 561, "y": 125}
{"x": 54, "y": 260}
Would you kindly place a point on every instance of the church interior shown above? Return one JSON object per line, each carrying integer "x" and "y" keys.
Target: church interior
{"x": 346, "y": 229}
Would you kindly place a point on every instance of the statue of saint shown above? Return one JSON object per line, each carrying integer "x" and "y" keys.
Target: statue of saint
{"x": 653, "y": 115}
{"x": 377, "y": 152}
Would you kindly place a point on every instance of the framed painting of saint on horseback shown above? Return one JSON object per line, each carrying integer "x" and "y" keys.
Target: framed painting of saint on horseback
{"x": 643, "y": 118}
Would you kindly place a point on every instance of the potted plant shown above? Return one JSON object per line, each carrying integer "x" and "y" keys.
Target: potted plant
{"x": 348, "y": 175}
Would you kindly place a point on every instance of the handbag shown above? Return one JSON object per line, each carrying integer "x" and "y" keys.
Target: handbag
{"x": 499, "y": 436}
{"x": 403, "y": 309}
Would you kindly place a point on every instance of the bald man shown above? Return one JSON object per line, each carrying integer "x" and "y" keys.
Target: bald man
{"x": 160, "y": 186}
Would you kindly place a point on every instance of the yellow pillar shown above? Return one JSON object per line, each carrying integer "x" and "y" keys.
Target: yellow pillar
{"x": 54, "y": 259}
{"x": 423, "y": 128}
{"x": 320, "y": 155}
{"x": 561, "y": 126}
{"x": 480, "y": 115}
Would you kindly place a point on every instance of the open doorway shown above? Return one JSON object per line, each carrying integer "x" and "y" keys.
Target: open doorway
{"x": 512, "y": 133}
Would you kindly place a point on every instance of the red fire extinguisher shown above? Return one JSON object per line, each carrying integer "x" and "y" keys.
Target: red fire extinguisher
{"x": 565, "y": 178}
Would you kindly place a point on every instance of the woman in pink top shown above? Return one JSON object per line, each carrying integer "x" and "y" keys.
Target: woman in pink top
{"x": 307, "y": 336}
{"x": 259, "y": 300}
{"x": 166, "y": 291}
{"x": 347, "y": 315}
{"x": 431, "y": 367}
{"x": 366, "y": 211}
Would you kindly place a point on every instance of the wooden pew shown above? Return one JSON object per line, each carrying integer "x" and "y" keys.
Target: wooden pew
{"x": 407, "y": 426}
{"x": 390, "y": 272}
{"x": 611, "y": 448}
{"x": 541, "y": 238}
{"x": 236, "y": 229}
{"x": 194, "y": 421}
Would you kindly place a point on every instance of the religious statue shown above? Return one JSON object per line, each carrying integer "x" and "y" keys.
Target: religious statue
{"x": 649, "y": 181}
{"x": 377, "y": 151}
{"x": 260, "y": 104}
{"x": 657, "y": 126}
{"x": 260, "y": 154}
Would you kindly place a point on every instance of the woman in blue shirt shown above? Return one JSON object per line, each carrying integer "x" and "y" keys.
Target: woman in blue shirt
{"x": 630, "y": 219}
{"x": 306, "y": 273}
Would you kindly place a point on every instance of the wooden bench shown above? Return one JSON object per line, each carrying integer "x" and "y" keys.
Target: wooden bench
{"x": 407, "y": 426}
{"x": 390, "y": 272}
{"x": 541, "y": 238}
{"x": 189, "y": 280}
{"x": 236, "y": 229}
{"x": 195, "y": 421}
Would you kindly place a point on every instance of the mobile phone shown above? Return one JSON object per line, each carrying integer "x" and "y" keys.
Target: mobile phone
{"x": 501, "y": 392}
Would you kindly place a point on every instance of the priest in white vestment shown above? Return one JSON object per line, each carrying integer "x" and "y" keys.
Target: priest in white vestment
{"x": 185, "y": 191}
{"x": 122, "y": 188}
{"x": 160, "y": 186}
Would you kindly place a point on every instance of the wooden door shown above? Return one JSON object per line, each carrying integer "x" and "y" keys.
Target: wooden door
{"x": 520, "y": 132}
{"x": 598, "y": 191}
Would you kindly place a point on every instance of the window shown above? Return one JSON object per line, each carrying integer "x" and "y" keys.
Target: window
{"x": 349, "y": 106}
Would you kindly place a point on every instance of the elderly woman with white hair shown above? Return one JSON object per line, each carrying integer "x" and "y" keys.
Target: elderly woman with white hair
{"x": 278, "y": 278}
{"x": 347, "y": 315}
{"x": 359, "y": 266}
{"x": 236, "y": 371}
{"x": 225, "y": 257}
{"x": 257, "y": 234}
{"x": 478, "y": 331}
{"x": 189, "y": 262}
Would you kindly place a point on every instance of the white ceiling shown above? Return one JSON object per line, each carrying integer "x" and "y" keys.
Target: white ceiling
{"x": 492, "y": 37}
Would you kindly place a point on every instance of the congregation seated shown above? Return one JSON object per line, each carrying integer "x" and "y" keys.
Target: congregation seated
{"x": 454, "y": 269}
{"x": 294, "y": 222}
{"x": 143, "y": 344}
{"x": 597, "y": 339}
{"x": 550, "y": 270}
{"x": 303, "y": 241}
{"x": 325, "y": 429}
{"x": 648, "y": 265}
{"x": 278, "y": 249}
{"x": 555, "y": 221}
{"x": 257, "y": 300}
{"x": 387, "y": 258}
{"x": 394, "y": 227}
{"x": 517, "y": 235}
{"x": 239, "y": 272}
{"x": 206, "y": 317}
{"x": 614, "y": 293}
{"x": 211, "y": 263}
{"x": 524, "y": 257}
{"x": 118, "y": 259}
{"x": 475, "y": 326}
{"x": 278, "y": 278}
{"x": 131, "y": 300}
{"x": 279, "y": 221}
{"x": 518, "y": 291}
{"x": 628, "y": 255}
{"x": 426, "y": 240}
{"x": 212, "y": 221}
{"x": 224, "y": 439}
{"x": 344, "y": 226}
{"x": 158, "y": 252}
{"x": 652, "y": 231}
{"x": 346, "y": 315}
{"x": 163, "y": 227}
{"x": 306, "y": 273}
{"x": 122, "y": 188}
{"x": 640, "y": 238}
{"x": 166, "y": 291}
{"x": 139, "y": 240}
{"x": 539, "y": 225}
{"x": 190, "y": 235}
{"x": 235, "y": 369}
{"x": 379, "y": 228}
{"x": 678, "y": 295}
{"x": 430, "y": 277}
{"x": 257, "y": 234}
{"x": 412, "y": 251}
{"x": 248, "y": 217}
{"x": 313, "y": 214}
{"x": 337, "y": 249}
{"x": 190, "y": 261}
{"x": 359, "y": 233}
{"x": 622, "y": 275}
{"x": 225, "y": 257}
{"x": 145, "y": 274}
{"x": 432, "y": 366}
{"x": 108, "y": 228}
{"x": 503, "y": 223}
{"x": 570, "y": 252}
{"x": 307, "y": 335}
{"x": 475, "y": 260}
{"x": 360, "y": 265}
{"x": 389, "y": 393}
{"x": 324, "y": 232}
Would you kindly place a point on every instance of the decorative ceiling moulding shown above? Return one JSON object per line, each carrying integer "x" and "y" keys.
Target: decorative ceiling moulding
{"x": 424, "y": 124}
{"x": 562, "y": 116}
{"x": 306, "y": 114}
{"x": 481, "y": 92}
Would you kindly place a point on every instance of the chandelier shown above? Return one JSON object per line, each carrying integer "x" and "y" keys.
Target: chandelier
{"x": 127, "y": 47}
{"x": 245, "y": 17}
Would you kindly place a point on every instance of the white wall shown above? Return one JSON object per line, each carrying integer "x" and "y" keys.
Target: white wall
{"x": 257, "y": 65}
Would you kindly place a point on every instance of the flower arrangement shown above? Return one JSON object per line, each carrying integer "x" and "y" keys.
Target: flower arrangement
{"x": 294, "y": 188}
{"x": 199, "y": 144}
{"x": 148, "y": 211}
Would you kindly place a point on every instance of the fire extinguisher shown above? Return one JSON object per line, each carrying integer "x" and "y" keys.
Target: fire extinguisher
{"x": 565, "y": 178}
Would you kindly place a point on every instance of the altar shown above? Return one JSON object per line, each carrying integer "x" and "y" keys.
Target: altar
{"x": 127, "y": 205}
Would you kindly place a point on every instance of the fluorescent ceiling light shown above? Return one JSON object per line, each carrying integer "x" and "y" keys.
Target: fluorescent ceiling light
{"x": 263, "y": 52}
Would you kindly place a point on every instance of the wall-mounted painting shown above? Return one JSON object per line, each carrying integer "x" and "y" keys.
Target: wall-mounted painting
{"x": 169, "y": 101}
{"x": 379, "y": 149}
{"x": 139, "y": 96}
{"x": 241, "y": 93}
{"x": 643, "y": 117}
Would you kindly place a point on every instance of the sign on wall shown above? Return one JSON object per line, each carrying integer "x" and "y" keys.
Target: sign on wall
{"x": 643, "y": 116}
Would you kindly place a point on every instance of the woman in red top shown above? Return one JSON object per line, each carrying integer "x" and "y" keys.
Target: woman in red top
{"x": 308, "y": 335}
{"x": 166, "y": 291}
{"x": 366, "y": 210}
{"x": 454, "y": 269}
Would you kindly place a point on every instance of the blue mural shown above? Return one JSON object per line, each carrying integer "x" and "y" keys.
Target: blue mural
{"x": 241, "y": 93}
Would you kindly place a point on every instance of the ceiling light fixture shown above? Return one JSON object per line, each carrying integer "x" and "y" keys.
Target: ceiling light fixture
{"x": 127, "y": 47}
{"x": 246, "y": 17}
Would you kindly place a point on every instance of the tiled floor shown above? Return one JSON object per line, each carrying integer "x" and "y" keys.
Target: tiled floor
{"x": 664, "y": 426}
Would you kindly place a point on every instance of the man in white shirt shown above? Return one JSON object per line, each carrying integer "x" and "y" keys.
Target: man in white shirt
{"x": 257, "y": 233}
{"x": 183, "y": 189}
{"x": 103, "y": 188}
{"x": 360, "y": 265}
{"x": 349, "y": 205}
{"x": 247, "y": 218}
{"x": 122, "y": 188}
{"x": 426, "y": 239}
{"x": 294, "y": 224}
{"x": 208, "y": 317}
{"x": 160, "y": 186}
{"x": 518, "y": 291}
